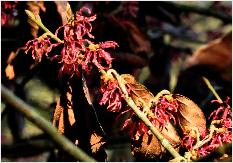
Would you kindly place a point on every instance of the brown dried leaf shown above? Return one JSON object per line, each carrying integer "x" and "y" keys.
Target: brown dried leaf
{"x": 64, "y": 9}
{"x": 189, "y": 115}
{"x": 96, "y": 142}
{"x": 61, "y": 123}
{"x": 58, "y": 116}
{"x": 217, "y": 54}
{"x": 10, "y": 72}
{"x": 139, "y": 91}
{"x": 149, "y": 149}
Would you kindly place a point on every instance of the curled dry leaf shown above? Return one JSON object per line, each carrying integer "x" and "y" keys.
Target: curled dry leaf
{"x": 138, "y": 91}
{"x": 57, "y": 113}
{"x": 58, "y": 116}
{"x": 96, "y": 142}
{"x": 10, "y": 73}
{"x": 58, "y": 119}
{"x": 189, "y": 115}
{"x": 216, "y": 54}
{"x": 149, "y": 148}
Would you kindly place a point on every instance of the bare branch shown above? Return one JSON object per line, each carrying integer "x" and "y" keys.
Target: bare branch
{"x": 43, "y": 124}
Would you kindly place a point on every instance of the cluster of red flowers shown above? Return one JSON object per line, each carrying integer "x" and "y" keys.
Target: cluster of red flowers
{"x": 159, "y": 115}
{"x": 112, "y": 94}
{"x": 222, "y": 121}
{"x": 78, "y": 52}
{"x": 38, "y": 47}
{"x": 164, "y": 110}
{"x": 7, "y": 11}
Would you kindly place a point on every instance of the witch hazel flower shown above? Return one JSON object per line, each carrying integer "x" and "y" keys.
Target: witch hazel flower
{"x": 165, "y": 108}
{"x": 83, "y": 23}
{"x": 39, "y": 47}
{"x": 78, "y": 26}
{"x": 162, "y": 112}
{"x": 71, "y": 58}
{"x": 96, "y": 54}
{"x": 219, "y": 132}
{"x": 78, "y": 52}
{"x": 112, "y": 95}
{"x": 223, "y": 118}
{"x": 159, "y": 114}
{"x": 191, "y": 137}
{"x": 224, "y": 113}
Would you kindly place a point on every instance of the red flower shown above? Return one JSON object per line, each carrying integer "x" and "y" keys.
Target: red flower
{"x": 79, "y": 53}
{"x": 82, "y": 23}
{"x": 224, "y": 112}
{"x": 222, "y": 131}
{"x": 95, "y": 54}
{"x": 188, "y": 142}
{"x": 159, "y": 116}
{"x": 79, "y": 26}
{"x": 164, "y": 110}
{"x": 71, "y": 58}
{"x": 112, "y": 95}
{"x": 39, "y": 47}
{"x": 135, "y": 127}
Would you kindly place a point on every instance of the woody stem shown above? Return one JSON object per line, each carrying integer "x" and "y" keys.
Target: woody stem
{"x": 141, "y": 115}
{"x": 212, "y": 89}
{"x": 38, "y": 21}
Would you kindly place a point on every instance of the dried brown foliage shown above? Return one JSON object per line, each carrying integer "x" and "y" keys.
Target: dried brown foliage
{"x": 217, "y": 54}
{"x": 189, "y": 115}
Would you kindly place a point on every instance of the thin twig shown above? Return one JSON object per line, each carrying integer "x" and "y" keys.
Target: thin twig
{"x": 46, "y": 126}
{"x": 38, "y": 21}
{"x": 212, "y": 89}
{"x": 142, "y": 116}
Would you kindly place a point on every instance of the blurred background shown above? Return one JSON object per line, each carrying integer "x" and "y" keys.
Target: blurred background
{"x": 164, "y": 45}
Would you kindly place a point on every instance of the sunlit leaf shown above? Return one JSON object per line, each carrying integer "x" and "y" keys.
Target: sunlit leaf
{"x": 216, "y": 54}
{"x": 150, "y": 147}
{"x": 10, "y": 73}
{"x": 61, "y": 111}
{"x": 138, "y": 91}
{"x": 189, "y": 115}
